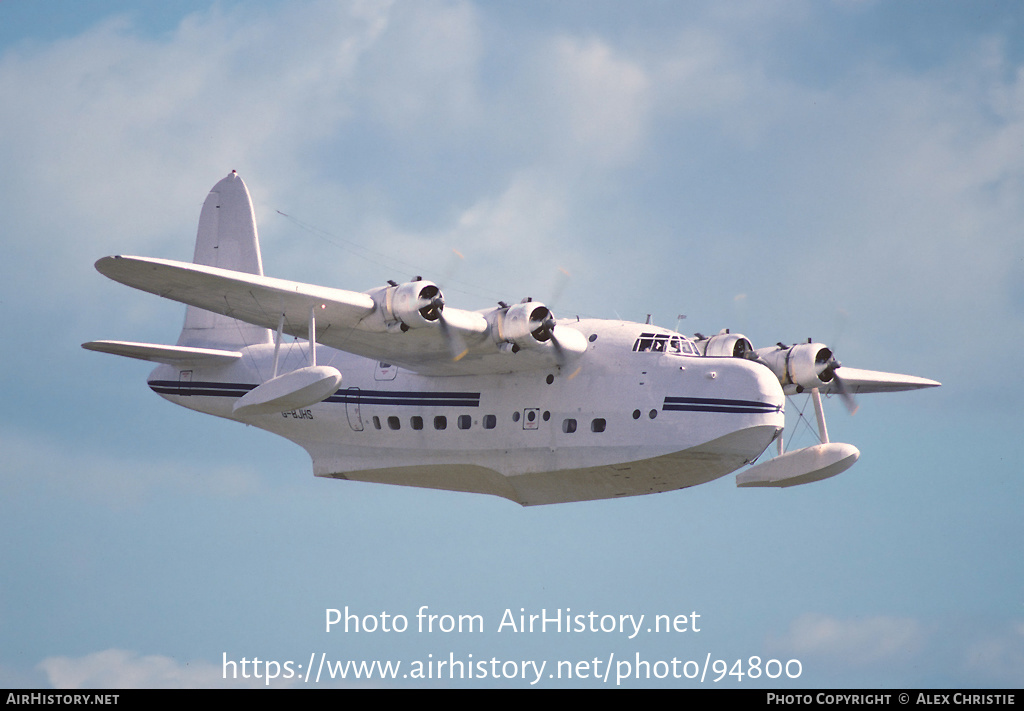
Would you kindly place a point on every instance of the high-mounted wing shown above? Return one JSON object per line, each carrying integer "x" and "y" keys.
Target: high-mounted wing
{"x": 251, "y": 298}
{"x": 856, "y": 381}
{"x": 807, "y": 366}
{"x": 363, "y": 323}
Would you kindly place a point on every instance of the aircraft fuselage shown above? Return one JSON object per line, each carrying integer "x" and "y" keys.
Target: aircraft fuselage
{"x": 626, "y": 422}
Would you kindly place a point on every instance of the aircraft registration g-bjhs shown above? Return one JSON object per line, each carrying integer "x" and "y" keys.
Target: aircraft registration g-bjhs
{"x": 394, "y": 386}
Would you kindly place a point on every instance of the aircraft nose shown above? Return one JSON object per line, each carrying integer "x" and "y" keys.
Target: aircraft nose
{"x": 767, "y": 384}
{"x": 758, "y": 384}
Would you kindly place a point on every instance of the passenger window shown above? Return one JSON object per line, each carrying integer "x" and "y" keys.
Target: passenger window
{"x": 465, "y": 422}
{"x": 490, "y": 422}
{"x": 376, "y": 422}
{"x": 598, "y": 425}
{"x": 394, "y": 423}
{"x": 417, "y": 422}
{"x": 569, "y": 426}
{"x": 440, "y": 422}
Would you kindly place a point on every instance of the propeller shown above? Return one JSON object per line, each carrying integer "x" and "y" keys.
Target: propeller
{"x": 561, "y": 281}
{"x": 531, "y": 322}
{"x": 542, "y": 326}
{"x": 456, "y": 346}
{"x": 431, "y": 307}
{"x": 842, "y": 317}
{"x": 828, "y": 372}
{"x": 430, "y": 303}
{"x": 546, "y": 329}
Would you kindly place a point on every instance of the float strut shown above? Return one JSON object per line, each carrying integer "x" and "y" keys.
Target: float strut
{"x": 277, "y": 343}
{"x": 822, "y": 431}
{"x": 312, "y": 335}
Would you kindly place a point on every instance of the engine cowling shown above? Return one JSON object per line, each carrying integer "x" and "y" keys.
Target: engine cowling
{"x": 526, "y": 325}
{"x": 415, "y": 304}
{"x": 803, "y": 366}
{"x": 726, "y": 344}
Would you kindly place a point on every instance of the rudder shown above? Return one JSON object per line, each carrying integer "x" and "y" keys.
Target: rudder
{"x": 226, "y": 239}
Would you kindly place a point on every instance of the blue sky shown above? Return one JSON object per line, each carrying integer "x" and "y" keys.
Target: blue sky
{"x": 847, "y": 171}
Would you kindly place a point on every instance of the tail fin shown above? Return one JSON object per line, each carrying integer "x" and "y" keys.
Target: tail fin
{"x": 227, "y": 239}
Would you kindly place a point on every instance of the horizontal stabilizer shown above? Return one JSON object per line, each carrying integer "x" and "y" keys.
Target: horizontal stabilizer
{"x": 291, "y": 391}
{"x": 170, "y": 355}
{"x": 801, "y": 466}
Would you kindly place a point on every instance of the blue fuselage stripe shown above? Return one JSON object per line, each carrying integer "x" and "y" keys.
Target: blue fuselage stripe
{"x": 443, "y": 399}
{"x": 362, "y": 397}
{"x": 699, "y": 404}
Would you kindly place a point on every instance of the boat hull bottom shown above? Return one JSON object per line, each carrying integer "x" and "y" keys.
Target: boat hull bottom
{"x": 678, "y": 470}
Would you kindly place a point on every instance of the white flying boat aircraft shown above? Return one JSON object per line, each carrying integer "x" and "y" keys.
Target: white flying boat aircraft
{"x": 394, "y": 386}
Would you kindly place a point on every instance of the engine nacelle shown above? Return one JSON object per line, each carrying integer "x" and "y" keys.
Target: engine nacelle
{"x": 415, "y": 304}
{"x": 803, "y": 366}
{"x": 525, "y": 325}
{"x": 726, "y": 344}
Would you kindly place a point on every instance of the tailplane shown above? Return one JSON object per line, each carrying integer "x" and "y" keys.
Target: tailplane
{"x": 227, "y": 239}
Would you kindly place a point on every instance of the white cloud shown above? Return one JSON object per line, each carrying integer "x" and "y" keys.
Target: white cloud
{"x": 518, "y": 235}
{"x": 121, "y": 669}
{"x": 957, "y": 648}
{"x": 854, "y": 642}
{"x": 599, "y": 99}
{"x": 528, "y": 214}
{"x": 111, "y": 128}
{"x": 702, "y": 75}
{"x": 421, "y": 77}
{"x": 997, "y": 657}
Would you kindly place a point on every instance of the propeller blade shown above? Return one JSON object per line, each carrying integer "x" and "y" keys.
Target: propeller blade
{"x": 456, "y": 346}
{"x": 560, "y": 356}
{"x": 562, "y": 278}
{"x": 845, "y": 394}
{"x": 831, "y": 373}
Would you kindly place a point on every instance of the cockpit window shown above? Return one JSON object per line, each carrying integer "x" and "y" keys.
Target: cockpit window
{"x": 664, "y": 343}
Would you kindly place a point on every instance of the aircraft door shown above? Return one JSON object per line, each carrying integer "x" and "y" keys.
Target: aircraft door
{"x": 185, "y": 382}
{"x": 352, "y": 409}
